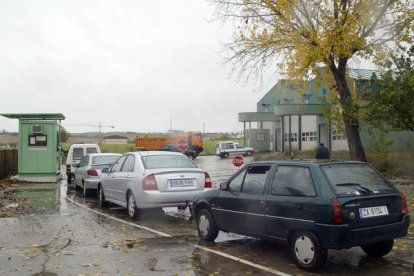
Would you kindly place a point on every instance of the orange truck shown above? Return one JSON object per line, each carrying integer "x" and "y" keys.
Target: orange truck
{"x": 146, "y": 142}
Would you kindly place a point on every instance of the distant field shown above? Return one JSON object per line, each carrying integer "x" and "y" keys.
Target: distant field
{"x": 121, "y": 148}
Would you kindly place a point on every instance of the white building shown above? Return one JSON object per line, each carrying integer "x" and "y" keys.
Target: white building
{"x": 115, "y": 139}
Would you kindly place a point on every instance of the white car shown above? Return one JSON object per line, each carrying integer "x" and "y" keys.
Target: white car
{"x": 88, "y": 171}
{"x": 75, "y": 154}
{"x": 225, "y": 149}
{"x": 152, "y": 179}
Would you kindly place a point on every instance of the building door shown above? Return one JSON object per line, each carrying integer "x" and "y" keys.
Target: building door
{"x": 323, "y": 134}
{"x": 278, "y": 139}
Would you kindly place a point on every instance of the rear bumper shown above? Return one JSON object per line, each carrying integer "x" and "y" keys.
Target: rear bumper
{"x": 342, "y": 236}
{"x": 154, "y": 199}
{"x": 91, "y": 183}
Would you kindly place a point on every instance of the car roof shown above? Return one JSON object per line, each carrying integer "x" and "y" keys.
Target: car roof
{"x": 100, "y": 154}
{"x": 154, "y": 152}
{"x": 306, "y": 162}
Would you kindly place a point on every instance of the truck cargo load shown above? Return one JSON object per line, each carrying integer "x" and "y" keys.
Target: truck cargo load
{"x": 146, "y": 142}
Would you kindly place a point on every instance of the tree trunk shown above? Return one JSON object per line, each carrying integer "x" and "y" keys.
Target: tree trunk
{"x": 350, "y": 118}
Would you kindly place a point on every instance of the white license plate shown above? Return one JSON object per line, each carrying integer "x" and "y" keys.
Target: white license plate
{"x": 177, "y": 183}
{"x": 373, "y": 211}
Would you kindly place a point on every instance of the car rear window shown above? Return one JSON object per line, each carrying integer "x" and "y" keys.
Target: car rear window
{"x": 356, "y": 179}
{"x": 77, "y": 153}
{"x": 104, "y": 160}
{"x": 91, "y": 150}
{"x": 167, "y": 161}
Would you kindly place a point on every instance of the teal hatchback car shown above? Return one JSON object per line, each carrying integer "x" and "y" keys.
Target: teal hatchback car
{"x": 312, "y": 206}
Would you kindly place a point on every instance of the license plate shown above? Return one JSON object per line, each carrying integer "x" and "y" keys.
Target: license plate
{"x": 373, "y": 211}
{"x": 177, "y": 183}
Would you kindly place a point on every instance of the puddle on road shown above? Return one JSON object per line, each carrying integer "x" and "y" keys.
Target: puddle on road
{"x": 39, "y": 200}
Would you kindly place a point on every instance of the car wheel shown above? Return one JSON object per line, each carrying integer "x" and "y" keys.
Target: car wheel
{"x": 226, "y": 155}
{"x": 132, "y": 207}
{"x": 206, "y": 226}
{"x": 249, "y": 153}
{"x": 307, "y": 250}
{"x": 378, "y": 249}
{"x": 85, "y": 190}
{"x": 101, "y": 197}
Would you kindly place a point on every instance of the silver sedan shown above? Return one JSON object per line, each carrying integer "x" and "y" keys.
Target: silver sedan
{"x": 88, "y": 171}
{"x": 152, "y": 179}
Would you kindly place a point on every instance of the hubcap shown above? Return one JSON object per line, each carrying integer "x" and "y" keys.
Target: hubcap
{"x": 304, "y": 249}
{"x": 203, "y": 225}
{"x": 131, "y": 205}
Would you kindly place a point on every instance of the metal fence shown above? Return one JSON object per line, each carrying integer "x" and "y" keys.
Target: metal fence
{"x": 8, "y": 163}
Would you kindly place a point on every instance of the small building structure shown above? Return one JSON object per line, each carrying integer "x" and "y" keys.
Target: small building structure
{"x": 292, "y": 113}
{"x": 115, "y": 139}
{"x": 39, "y": 156}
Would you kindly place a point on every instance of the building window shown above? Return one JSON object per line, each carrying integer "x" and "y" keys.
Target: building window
{"x": 309, "y": 136}
{"x": 337, "y": 135}
{"x": 260, "y": 137}
{"x": 293, "y": 137}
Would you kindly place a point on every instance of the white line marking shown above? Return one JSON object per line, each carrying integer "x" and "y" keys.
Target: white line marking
{"x": 258, "y": 266}
{"x": 120, "y": 220}
{"x": 268, "y": 269}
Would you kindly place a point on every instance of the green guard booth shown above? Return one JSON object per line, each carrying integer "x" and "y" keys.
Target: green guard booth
{"x": 39, "y": 146}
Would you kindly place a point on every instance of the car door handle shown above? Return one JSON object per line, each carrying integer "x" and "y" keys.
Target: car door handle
{"x": 128, "y": 176}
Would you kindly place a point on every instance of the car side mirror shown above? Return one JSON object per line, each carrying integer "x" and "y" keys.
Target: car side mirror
{"x": 77, "y": 166}
{"x": 105, "y": 170}
{"x": 223, "y": 186}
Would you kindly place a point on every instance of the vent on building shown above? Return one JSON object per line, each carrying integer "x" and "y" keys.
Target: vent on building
{"x": 37, "y": 129}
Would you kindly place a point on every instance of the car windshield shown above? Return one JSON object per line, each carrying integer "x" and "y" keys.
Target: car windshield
{"x": 355, "y": 179}
{"x": 167, "y": 161}
{"x": 104, "y": 159}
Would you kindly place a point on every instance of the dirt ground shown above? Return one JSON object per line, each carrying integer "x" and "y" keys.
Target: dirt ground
{"x": 10, "y": 205}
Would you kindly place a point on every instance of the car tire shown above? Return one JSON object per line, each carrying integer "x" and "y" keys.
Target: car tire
{"x": 249, "y": 153}
{"x": 132, "y": 206}
{"x": 206, "y": 226}
{"x": 307, "y": 250}
{"x": 226, "y": 155}
{"x": 69, "y": 179}
{"x": 85, "y": 190}
{"x": 101, "y": 197}
{"x": 378, "y": 249}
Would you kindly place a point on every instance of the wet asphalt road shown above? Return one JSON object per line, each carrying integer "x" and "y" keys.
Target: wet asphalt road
{"x": 68, "y": 239}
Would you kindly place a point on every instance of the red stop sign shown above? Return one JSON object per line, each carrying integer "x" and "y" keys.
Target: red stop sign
{"x": 182, "y": 144}
{"x": 238, "y": 160}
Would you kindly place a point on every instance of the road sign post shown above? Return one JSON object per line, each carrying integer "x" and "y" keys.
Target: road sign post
{"x": 238, "y": 160}
{"x": 182, "y": 144}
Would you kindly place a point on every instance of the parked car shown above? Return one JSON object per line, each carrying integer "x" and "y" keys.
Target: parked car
{"x": 88, "y": 171}
{"x": 225, "y": 149}
{"x": 152, "y": 179}
{"x": 172, "y": 147}
{"x": 75, "y": 154}
{"x": 312, "y": 206}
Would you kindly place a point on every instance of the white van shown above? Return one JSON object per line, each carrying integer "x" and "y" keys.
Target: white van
{"x": 75, "y": 154}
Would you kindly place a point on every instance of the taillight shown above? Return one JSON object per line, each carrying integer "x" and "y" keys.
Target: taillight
{"x": 92, "y": 172}
{"x": 149, "y": 183}
{"x": 207, "y": 181}
{"x": 68, "y": 168}
{"x": 337, "y": 214}
{"x": 404, "y": 205}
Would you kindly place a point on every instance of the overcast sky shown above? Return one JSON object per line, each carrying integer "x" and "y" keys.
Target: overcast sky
{"x": 131, "y": 64}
